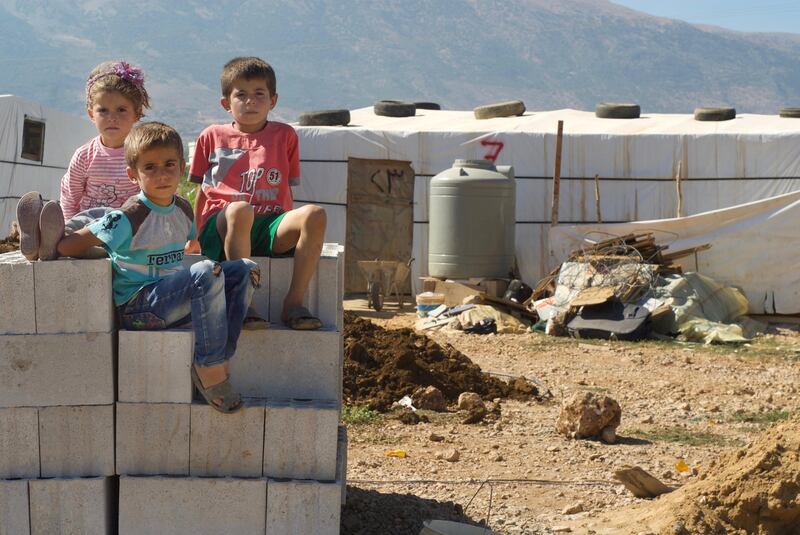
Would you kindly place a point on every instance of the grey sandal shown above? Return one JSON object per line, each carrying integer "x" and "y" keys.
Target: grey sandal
{"x": 300, "y": 319}
{"x": 28, "y": 209}
{"x": 231, "y": 401}
{"x": 51, "y": 228}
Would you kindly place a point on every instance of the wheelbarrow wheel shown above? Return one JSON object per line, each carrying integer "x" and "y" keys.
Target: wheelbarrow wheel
{"x": 376, "y": 296}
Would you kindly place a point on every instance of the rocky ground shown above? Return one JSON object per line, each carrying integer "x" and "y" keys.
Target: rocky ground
{"x": 682, "y": 404}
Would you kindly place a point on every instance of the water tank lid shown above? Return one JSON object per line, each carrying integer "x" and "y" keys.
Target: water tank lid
{"x": 475, "y": 164}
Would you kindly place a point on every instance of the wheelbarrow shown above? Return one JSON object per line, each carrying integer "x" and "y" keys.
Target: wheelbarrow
{"x": 384, "y": 277}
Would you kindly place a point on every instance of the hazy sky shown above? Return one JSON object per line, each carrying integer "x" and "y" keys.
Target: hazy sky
{"x": 741, "y": 15}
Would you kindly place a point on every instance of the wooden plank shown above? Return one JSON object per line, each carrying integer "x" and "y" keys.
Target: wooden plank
{"x": 557, "y": 174}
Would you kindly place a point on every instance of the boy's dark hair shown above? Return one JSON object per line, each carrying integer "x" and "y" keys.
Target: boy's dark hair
{"x": 145, "y": 136}
{"x": 247, "y": 68}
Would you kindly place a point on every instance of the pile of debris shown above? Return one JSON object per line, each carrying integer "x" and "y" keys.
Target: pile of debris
{"x": 382, "y": 366}
{"x": 629, "y": 288}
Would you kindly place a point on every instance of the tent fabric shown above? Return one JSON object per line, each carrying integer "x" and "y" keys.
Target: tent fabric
{"x": 722, "y": 164}
{"x": 754, "y": 247}
{"x": 63, "y": 134}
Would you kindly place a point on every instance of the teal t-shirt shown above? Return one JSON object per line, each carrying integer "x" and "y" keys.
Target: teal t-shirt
{"x": 145, "y": 242}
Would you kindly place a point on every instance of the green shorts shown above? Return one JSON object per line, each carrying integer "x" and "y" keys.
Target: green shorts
{"x": 262, "y": 236}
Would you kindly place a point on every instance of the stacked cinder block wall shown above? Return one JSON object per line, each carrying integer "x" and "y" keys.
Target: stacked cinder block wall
{"x": 100, "y": 430}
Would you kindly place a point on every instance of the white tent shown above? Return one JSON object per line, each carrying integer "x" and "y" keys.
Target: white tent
{"x": 722, "y": 164}
{"x": 36, "y": 144}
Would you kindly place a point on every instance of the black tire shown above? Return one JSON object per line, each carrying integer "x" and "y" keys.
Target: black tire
{"x": 324, "y": 118}
{"x": 376, "y": 296}
{"x": 427, "y": 106}
{"x": 616, "y": 110}
{"x": 714, "y": 114}
{"x": 509, "y": 108}
{"x": 394, "y": 108}
{"x": 793, "y": 113}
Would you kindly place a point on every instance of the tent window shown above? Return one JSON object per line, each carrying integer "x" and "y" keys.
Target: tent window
{"x": 33, "y": 140}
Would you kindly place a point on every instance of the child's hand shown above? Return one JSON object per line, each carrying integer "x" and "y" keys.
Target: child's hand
{"x": 192, "y": 247}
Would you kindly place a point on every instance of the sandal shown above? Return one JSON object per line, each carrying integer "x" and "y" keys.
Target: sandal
{"x": 51, "y": 230}
{"x": 253, "y": 321}
{"x": 231, "y": 401}
{"x": 28, "y": 209}
{"x": 301, "y": 319}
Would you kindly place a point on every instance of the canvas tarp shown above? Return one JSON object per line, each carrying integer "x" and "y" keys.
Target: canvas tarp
{"x": 63, "y": 134}
{"x": 723, "y": 164}
{"x": 754, "y": 247}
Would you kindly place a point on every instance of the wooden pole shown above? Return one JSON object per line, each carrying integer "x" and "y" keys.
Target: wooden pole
{"x": 597, "y": 198}
{"x": 557, "y": 174}
{"x": 678, "y": 189}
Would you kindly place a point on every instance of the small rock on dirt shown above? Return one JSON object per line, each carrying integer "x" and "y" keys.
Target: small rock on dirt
{"x": 608, "y": 435}
{"x": 450, "y": 455}
{"x": 436, "y": 438}
{"x": 475, "y": 415}
{"x": 586, "y": 415}
{"x": 573, "y": 509}
{"x": 429, "y": 398}
{"x": 468, "y": 400}
{"x": 410, "y": 417}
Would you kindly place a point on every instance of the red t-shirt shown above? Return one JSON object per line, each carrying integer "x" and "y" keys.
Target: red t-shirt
{"x": 258, "y": 168}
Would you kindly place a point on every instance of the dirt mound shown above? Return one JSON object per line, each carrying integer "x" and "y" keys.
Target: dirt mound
{"x": 755, "y": 490}
{"x": 381, "y": 366}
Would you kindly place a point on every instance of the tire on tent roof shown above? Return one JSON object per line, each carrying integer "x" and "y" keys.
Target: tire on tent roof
{"x": 616, "y": 110}
{"x": 793, "y": 113}
{"x": 714, "y": 114}
{"x": 509, "y": 108}
{"x": 324, "y": 118}
{"x": 394, "y": 108}
{"x": 427, "y": 106}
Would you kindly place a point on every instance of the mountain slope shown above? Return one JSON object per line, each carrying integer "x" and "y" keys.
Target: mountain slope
{"x": 461, "y": 53}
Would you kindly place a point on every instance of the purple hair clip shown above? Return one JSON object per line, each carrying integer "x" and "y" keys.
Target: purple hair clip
{"x": 130, "y": 74}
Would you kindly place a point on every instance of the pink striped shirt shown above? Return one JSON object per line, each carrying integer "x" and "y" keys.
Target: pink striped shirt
{"x": 95, "y": 177}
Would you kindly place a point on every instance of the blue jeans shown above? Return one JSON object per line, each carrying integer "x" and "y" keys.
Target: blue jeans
{"x": 215, "y": 303}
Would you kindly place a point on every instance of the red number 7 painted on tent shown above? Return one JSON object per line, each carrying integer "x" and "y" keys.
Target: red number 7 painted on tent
{"x": 496, "y": 148}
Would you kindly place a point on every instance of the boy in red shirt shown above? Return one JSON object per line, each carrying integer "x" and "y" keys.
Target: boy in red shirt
{"x": 244, "y": 203}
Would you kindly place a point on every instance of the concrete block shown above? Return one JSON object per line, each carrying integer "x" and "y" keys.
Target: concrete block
{"x": 225, "y": 445}
{"x": 153, "y": 438}
{"x": 261, "y": 297}
{"x": 295, "y": 506}
{"x": 77, "y": 441}
{"x": 197, "y": 506}
{"x": 14, "y": 512}
{"x": 154, "y": 366}
{"x": 341, "y": 461}
{"x": 82, "y": 287}
{"x": 72, "y": 506}
{"x": 281, "y": 363}
{"x": 324, "y": 295}
{"x": 300, "y": 439}
{"x": 16, "y": 295}
{"x": 56, "y": 369}
{"x": 19, "y": 443}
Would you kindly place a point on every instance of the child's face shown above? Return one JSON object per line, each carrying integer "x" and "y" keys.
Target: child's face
{"x": 158, "y": 171}
{"x": 113, "y": 115}
{"x": 249, "y": 102}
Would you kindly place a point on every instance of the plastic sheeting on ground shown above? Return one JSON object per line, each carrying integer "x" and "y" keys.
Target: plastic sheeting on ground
{"x": 705, "y": 310}
{"x": 754, "y": 246}
{"x": 506, "y": 323}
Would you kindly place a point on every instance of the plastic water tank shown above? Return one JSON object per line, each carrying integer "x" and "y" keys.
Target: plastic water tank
{"x": 472, "y": 215}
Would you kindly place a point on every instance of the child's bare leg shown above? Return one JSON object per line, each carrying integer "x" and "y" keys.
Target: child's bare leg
{"x": 233, "y": 225}
{"x": 303, "y": 229}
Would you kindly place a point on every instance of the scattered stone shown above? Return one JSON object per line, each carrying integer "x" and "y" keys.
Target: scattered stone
{"x": 647, "y": 419}
{"x": 429, "y": 398}
{"x": 498, "y": 458}
{"x": 450, "y": 455}
{"x": 586, "y": 415}
{"x": 561, "y": 529}
{"x": 436, "y": 438}
{"x": 685, "y": 407}
{"x": 608, "y": 435}
{"x": 475, "y": 415}
{"x": 573, "y": 509}
{"x": 410, "y": 417}
{"x": 553, "y": 448}
{"x": 468, "y": 400}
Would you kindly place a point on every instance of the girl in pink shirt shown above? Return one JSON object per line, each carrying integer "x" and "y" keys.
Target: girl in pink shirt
{"x": 96, "y": 179}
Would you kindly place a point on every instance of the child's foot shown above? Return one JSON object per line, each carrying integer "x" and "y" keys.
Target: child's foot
{"x": 253, "y": 321}
{"x": 220, "y": 395}
{"x": 29, "y": 208}
{"x": 51, "y": 227}
{"x": 301, "y": 319}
